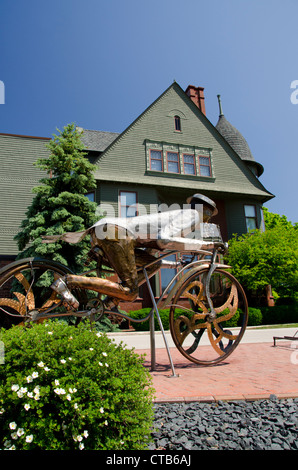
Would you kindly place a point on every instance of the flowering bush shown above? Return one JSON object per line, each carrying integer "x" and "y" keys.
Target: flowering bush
{"x": 67, "y": 388}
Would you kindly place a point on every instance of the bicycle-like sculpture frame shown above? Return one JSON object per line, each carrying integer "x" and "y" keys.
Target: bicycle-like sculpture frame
{"x": 201, "y": 298}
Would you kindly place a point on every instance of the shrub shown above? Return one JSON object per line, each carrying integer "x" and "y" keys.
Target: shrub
{"x": 67, "y": 388}
{"x": 254, "y": 317}
{"x": 164, "y": 316}
{"x": 280, "y": 314}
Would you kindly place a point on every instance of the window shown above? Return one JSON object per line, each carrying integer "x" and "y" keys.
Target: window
{"x": 250, "y": 217}
{"x": 178, "y": 159}
{"x": 173, "y": 162}
{"x": 166, "y": 275}
{"x": 128, "y": 204}
{"x": 189, "y": 166}
{"x": 91, "y": 196}
{"x": 205, "y": 167}
{"x": 177, "y": 123}
{"x": 156, "y": 160}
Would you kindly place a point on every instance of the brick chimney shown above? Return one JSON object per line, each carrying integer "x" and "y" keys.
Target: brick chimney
{"x": 196, "y": 94}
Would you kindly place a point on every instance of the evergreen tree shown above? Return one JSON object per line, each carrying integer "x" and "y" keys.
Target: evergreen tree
{"x": 60, "y": 204}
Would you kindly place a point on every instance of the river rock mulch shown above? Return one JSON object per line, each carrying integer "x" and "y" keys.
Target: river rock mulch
{"x": 270, "y": 424}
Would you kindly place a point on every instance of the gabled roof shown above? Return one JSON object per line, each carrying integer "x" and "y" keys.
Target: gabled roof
{"x": 118, "y": 157}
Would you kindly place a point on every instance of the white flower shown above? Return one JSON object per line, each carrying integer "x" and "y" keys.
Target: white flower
{"x": 76, "y": 406}
{"x": 91, "y": 349}
{"x": 101, "y": 410}
{"x": 2, "y": 411}
{"x": 104, "y": 354}
{"x": 35, "y": 375}
{"x": 30, "y": 394}
{"x": 81, "y": 446}
{"x": 100, "y": 363}
{"x": 106, "y": 422}
{"x": 13, "y": 425}
{"x": 15, "y": 388}
{"x": 40, "y": 364}
{"x": 85, "y": 434}
{"x": 14, "y": 435}
{"x": 36, "y": 389}
{"x": 50, "y": 332}
{"x": 47, "y": 369}
{"x": 63, "y": 361}
{"x": 29, "y": 379}
{"x": 59, "y": 391}
{"x": 68, "y": 397}
{"x": 21, "y": 392}
{"x": 29, "y": 438}
{"x": 98, "y": 334}
{"x": 107, "y": 365}
{"x": 27, "y": 406}
{"x": 57, "y": 382}
{"x": 20, "y": 432}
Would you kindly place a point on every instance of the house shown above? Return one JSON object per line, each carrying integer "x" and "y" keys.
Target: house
{"x": 168, "y": 153}
{"x": 171, "y": 151}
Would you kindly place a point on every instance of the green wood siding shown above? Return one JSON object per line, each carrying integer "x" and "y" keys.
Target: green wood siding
{"x": 18, "y": 177}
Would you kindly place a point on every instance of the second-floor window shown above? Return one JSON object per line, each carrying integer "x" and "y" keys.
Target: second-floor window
{"x": 173, "y": 162}
{"x": 156, "y": 160}
{"x": 189, "y": 164}
{"x": 205, "y": 167}
{"x": 166, "y": 157}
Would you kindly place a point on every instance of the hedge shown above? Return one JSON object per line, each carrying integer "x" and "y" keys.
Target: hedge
{"x": 279, "y": 314}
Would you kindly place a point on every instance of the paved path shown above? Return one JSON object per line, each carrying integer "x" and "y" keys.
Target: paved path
{"x": 255, "y": 370}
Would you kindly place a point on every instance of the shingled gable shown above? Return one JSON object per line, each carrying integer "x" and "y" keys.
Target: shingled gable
{"x": 124, "y": 159}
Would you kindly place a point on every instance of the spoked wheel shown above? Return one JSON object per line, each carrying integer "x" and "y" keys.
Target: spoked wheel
{"x": 199, "y": 337}
{"x": 25, "y": 291}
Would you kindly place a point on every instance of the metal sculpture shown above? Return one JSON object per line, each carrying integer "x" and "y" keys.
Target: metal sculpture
{"x": 201, "y": 297}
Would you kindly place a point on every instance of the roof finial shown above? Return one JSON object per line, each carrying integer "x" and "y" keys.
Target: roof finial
{"x": 220, "y": 106}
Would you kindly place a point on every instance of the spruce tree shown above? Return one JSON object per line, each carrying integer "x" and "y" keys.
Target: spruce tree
{"x": 60, "y": 204}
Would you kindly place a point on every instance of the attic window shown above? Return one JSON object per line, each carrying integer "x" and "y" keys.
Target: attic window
{"x": 177, "y": 123}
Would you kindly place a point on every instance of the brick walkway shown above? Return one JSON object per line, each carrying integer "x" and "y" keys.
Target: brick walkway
{"x": 253, "y": 371}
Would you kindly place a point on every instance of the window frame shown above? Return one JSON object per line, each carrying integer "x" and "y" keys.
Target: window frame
{"x": 120, "y": 206}
{"x": 194, "y": 163}
{"x": 156, "y": 159}
{"x": 173, "y": 161}
{"x": 177, "y": 123}
{"x": 248, "y": 217}
{"x": 205, "y": 166}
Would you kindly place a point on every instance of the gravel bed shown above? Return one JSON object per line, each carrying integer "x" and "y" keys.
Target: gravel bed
{"x": 240, "y": 425}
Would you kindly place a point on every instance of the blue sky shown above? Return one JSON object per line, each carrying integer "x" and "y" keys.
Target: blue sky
{"x": 101, "y": 63}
